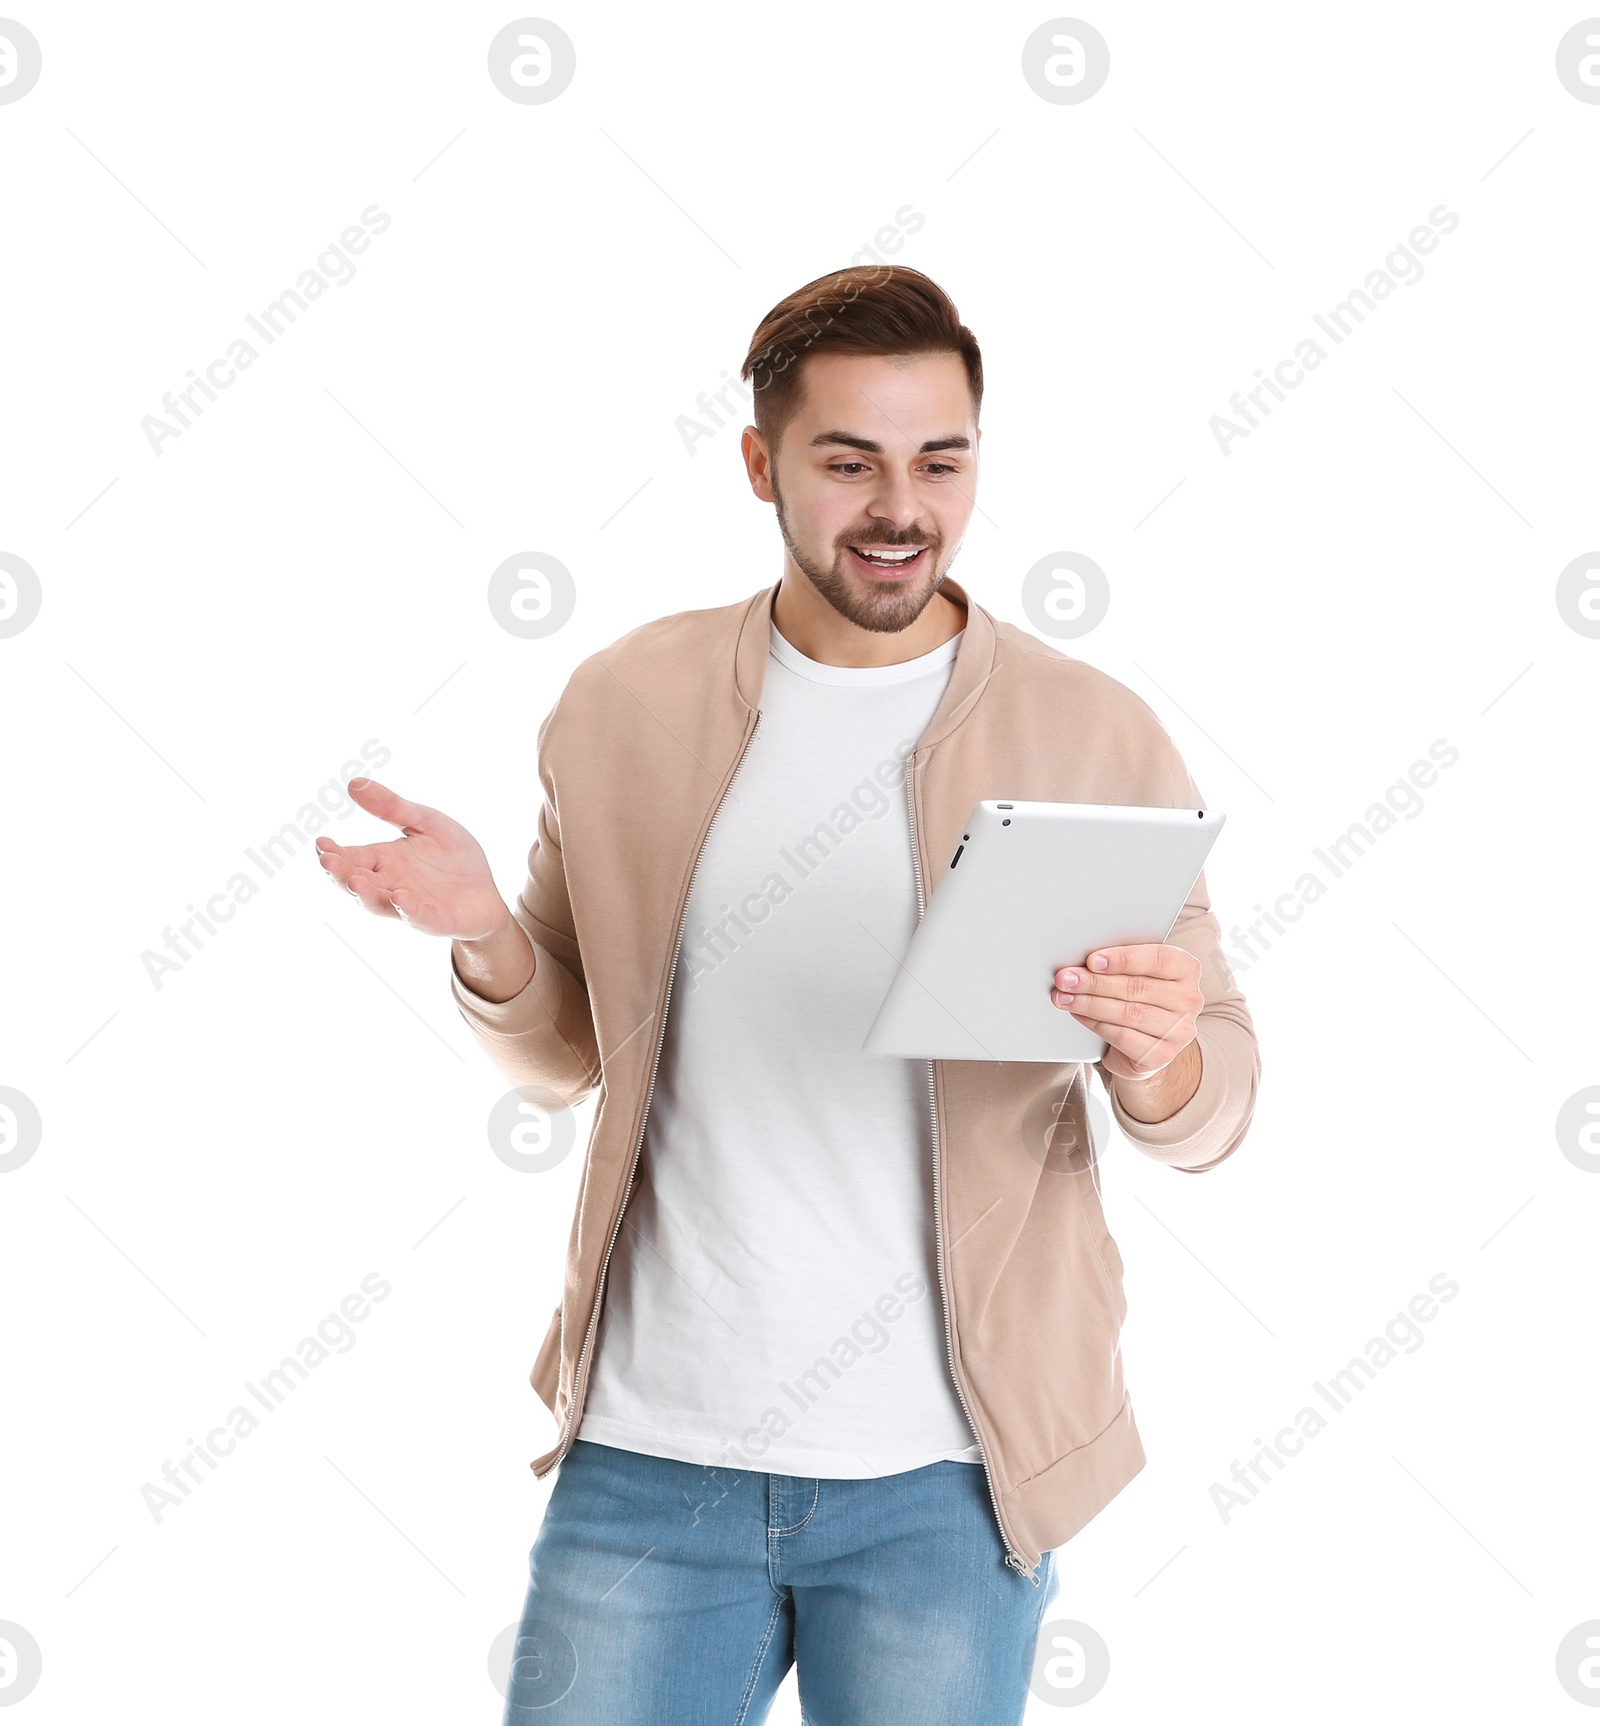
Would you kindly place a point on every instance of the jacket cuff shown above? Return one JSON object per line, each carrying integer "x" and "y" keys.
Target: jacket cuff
{"x": 1200, "y": 1134}
{"x": 532, "y": 1008}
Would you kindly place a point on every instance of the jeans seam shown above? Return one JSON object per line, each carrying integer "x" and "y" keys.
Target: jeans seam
{"x": 795, "y": 1527}
{"x": 755, "y": 1670}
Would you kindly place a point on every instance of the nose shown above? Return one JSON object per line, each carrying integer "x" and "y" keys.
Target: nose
{"x": 894, "y": 504}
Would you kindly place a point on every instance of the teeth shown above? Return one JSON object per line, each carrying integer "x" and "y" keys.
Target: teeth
{"x": 882, "y": 556}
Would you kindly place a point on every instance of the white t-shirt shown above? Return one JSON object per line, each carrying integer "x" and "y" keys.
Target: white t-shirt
{"x": 772, "y": 1300}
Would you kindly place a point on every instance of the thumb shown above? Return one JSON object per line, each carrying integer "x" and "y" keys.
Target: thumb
{"x": 377, "y": 799}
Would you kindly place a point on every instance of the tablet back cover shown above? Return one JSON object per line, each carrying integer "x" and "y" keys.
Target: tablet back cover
{"x": 1034, "y": 886}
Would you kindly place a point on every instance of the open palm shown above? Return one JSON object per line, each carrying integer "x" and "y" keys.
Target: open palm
{"x": 434, "y": 877}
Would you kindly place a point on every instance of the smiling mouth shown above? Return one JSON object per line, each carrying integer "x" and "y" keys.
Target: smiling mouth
{"x": 888, "y": 559}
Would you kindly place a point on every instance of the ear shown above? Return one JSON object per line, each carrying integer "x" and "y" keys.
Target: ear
{"x": 757, "y": 462}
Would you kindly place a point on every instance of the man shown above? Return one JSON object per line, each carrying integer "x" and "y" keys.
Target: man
{"x": 836, "y": 1357}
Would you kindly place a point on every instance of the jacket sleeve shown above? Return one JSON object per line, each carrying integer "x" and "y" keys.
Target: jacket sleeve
{"x": 544, "y": 1035}
{"x": 1212, "y": 1124}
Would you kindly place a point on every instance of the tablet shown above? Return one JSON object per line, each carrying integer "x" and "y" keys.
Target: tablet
{"x": 1029, "y": 888}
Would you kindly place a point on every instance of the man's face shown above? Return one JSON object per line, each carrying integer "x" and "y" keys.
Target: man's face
{"x": 879, "y": 456}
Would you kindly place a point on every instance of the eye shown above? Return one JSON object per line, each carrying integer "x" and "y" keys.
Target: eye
{"x": 941, "y": 467}
{"x": 840, "y": 466}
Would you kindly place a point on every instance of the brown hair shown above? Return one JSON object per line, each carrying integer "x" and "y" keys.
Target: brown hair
{"x": 868, "y": 309}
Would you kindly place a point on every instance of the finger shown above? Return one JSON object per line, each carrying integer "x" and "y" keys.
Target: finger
{"x": 406, "y": 903}
{"x": 1138, "y": 1048}
{"x": 1153, "y": 1019}
{"x": 1178, "y": 994}
{"x": 371, "y": 892}
{"x": 390, "y": 806}
{"x": 334, "y": 863}
{"x": 339, "y": 859}
{"x": 1145, "y": 958}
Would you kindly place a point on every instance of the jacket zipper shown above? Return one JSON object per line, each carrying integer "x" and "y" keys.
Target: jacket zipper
{"x": 1013, "y": 1557}
{"x": 683, "y": 917}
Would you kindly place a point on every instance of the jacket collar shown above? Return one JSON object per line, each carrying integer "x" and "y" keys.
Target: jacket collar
{"x": 974, "y": 664}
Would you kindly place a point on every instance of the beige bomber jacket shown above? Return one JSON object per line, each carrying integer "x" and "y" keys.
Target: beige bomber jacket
{"x": 634, "y": 760}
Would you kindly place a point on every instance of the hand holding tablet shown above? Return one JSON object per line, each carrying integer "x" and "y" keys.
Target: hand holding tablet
{"x": 1142, "y": 999}
{"x": 1032, "y": 889}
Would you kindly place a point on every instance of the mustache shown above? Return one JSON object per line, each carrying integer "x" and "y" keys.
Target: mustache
{"x": 892, "y": 544}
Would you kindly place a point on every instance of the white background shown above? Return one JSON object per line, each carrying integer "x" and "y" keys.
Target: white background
{"x": 224, "y": 624}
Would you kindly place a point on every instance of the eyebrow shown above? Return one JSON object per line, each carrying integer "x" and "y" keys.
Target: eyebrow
{"x": 956, "y": 441}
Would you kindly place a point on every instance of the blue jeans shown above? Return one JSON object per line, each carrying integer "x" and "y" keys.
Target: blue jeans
{"x": 663, "y": 1593}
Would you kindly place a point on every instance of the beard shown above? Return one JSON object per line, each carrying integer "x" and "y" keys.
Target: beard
{"x": 886, "y": 608}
